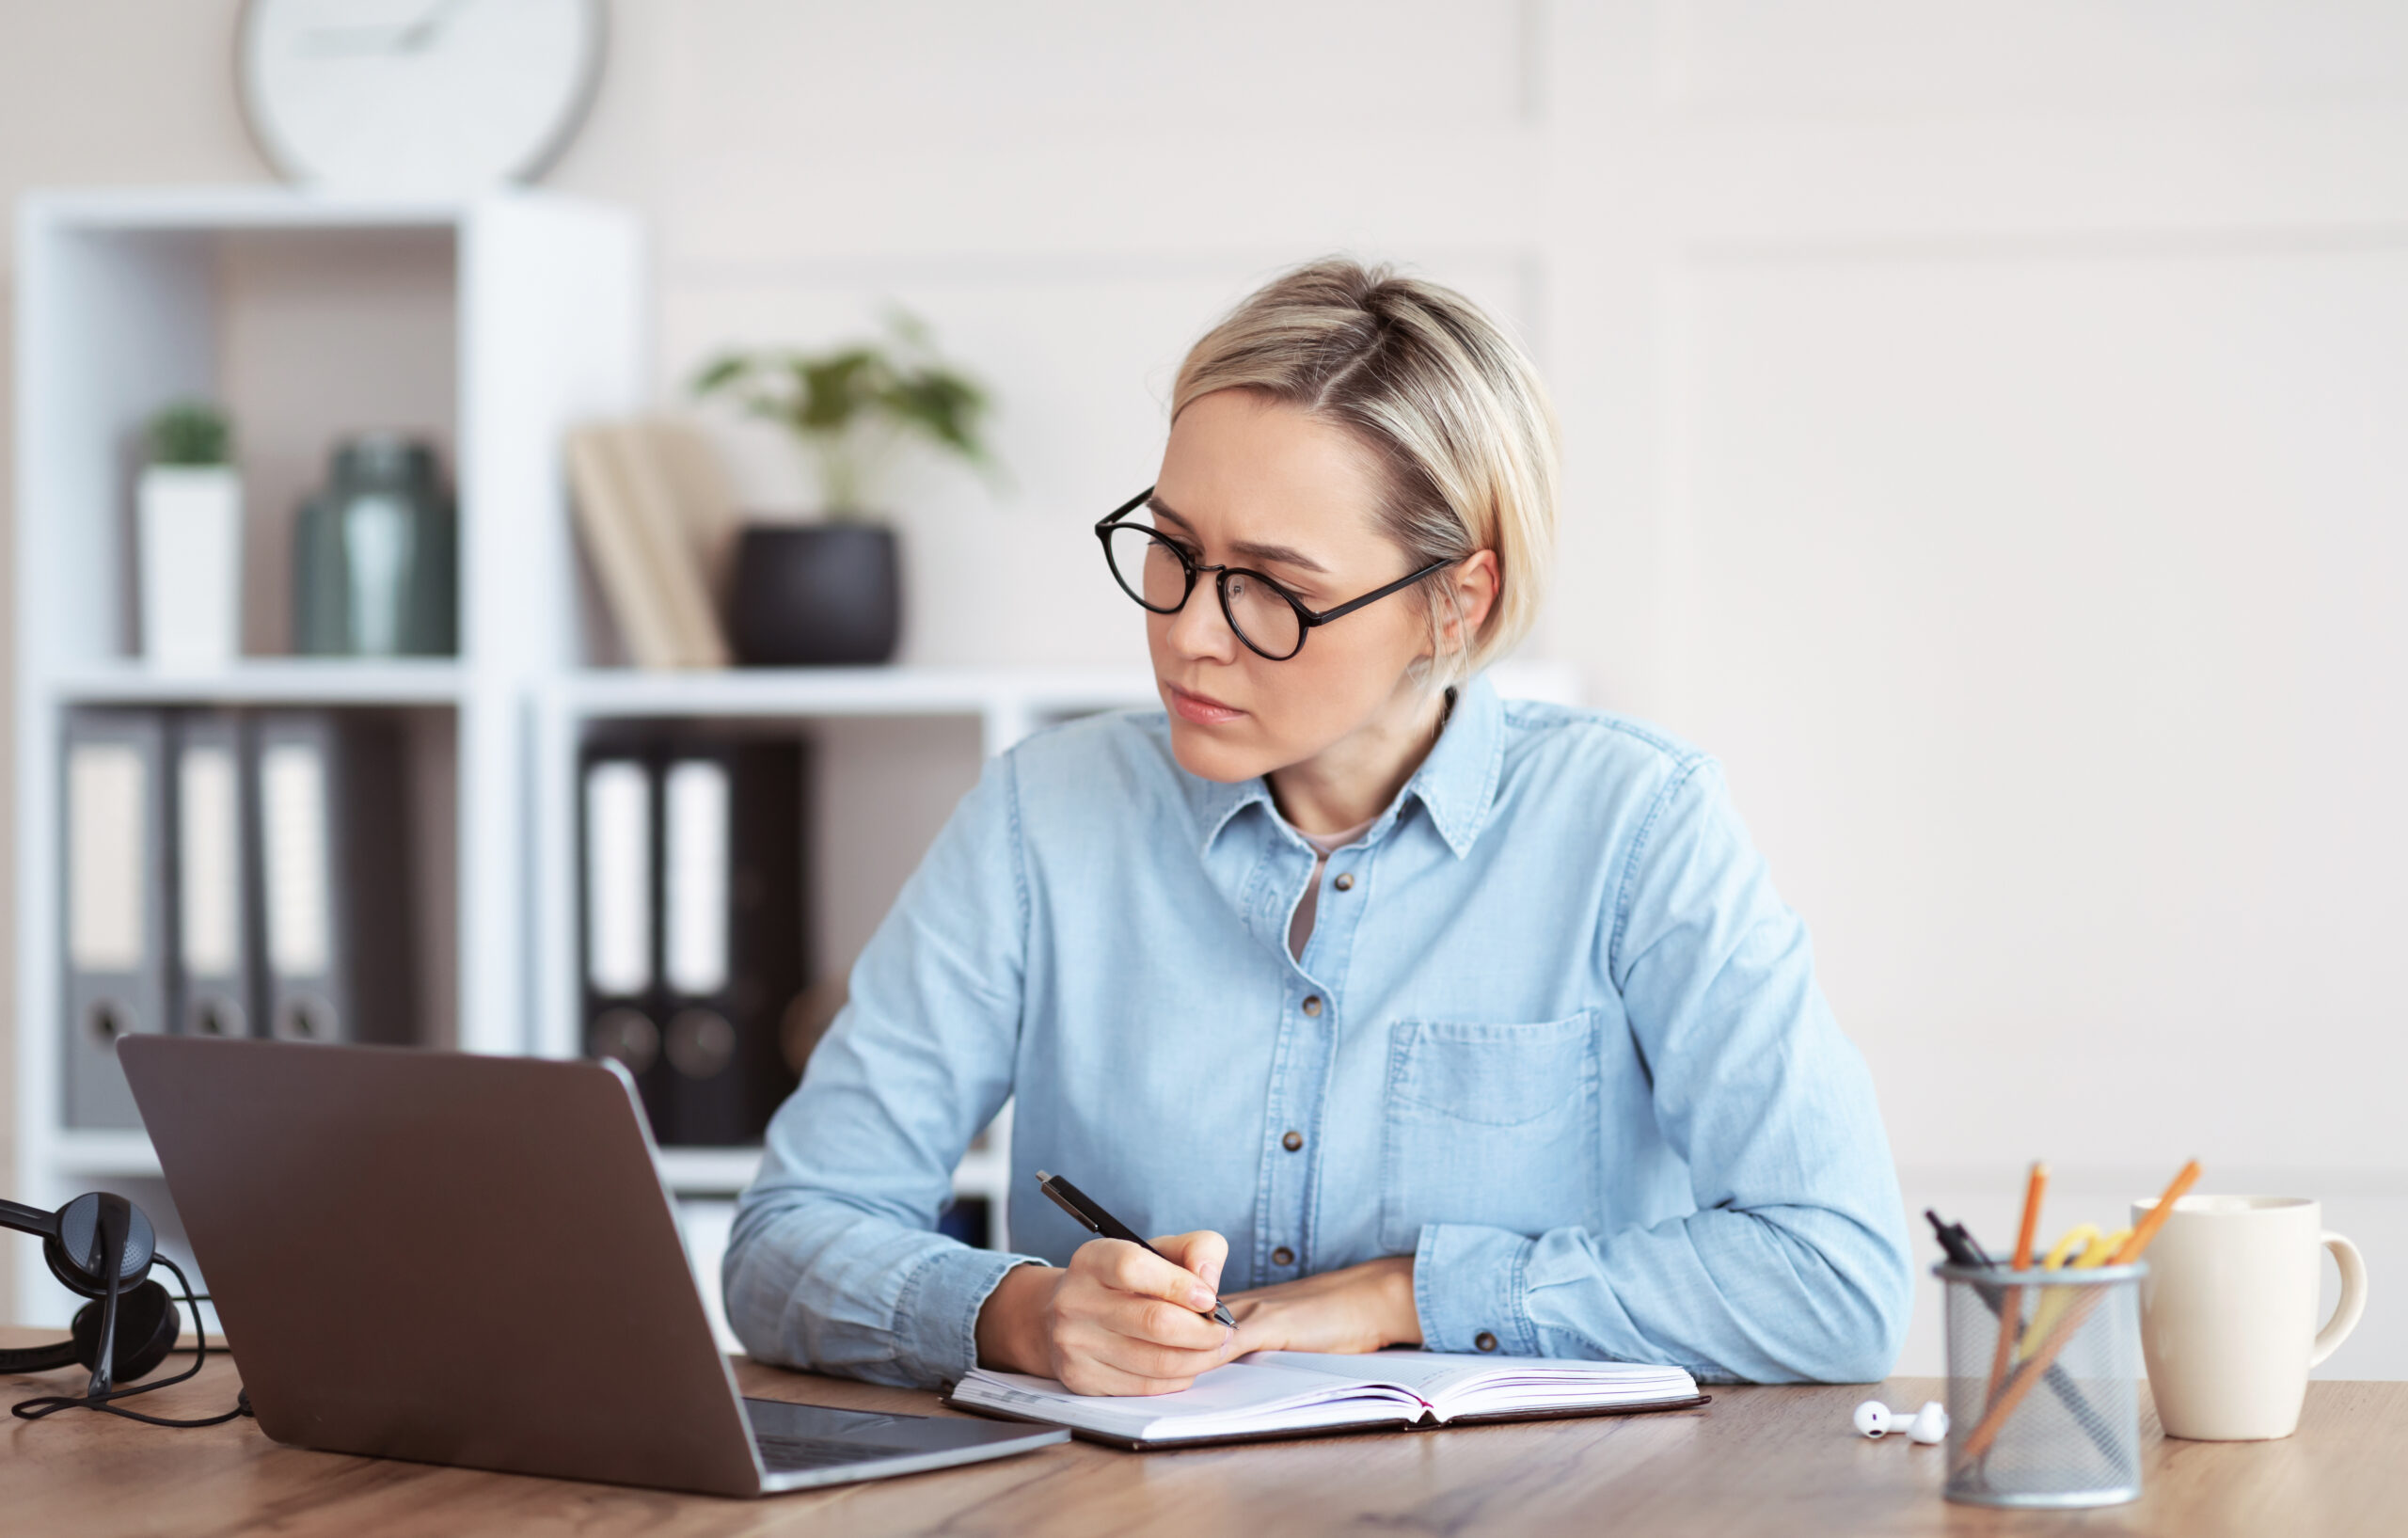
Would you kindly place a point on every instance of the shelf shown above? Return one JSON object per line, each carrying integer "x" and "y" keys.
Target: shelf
{"x": 707, "y": 1172}
{"x": 103, "y": 1156}
{"x": 984, "y": 1172}
{"x": 852, "y": 691}
{"x": 687, "y": 1172}
{"x": 268, "y": 681}
{"x": 735, "y": 691}
{"x": 724, "y": 1172}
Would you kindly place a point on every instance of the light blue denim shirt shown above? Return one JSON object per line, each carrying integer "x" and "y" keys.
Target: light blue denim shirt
{"x": 1554, "y": 1036}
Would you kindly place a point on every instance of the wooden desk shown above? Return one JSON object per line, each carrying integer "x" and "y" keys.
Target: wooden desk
{"x": 1770, "y": 1461}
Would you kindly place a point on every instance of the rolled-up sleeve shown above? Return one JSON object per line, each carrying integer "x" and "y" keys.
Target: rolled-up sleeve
{"x": 834, "y": 1263}
{"x": 1794, "y": 1265}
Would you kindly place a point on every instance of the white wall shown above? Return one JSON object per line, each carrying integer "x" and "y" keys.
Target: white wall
{"x": 2005, "y": 390}
{"x": 1981, "y": 431}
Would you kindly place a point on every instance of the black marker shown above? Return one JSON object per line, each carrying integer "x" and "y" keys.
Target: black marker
{"x": 1096, "y": 1220}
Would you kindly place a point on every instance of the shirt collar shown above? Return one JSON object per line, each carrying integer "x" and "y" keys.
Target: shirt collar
{"x": 1456, "y": 784}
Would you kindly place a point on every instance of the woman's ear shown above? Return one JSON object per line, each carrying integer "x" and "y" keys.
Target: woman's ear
{"x": 1472, "y": 583}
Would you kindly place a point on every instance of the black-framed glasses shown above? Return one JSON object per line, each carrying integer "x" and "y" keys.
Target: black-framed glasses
{"x": 1160, "y": 573}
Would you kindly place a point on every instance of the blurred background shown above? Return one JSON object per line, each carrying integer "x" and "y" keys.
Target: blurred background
{"x": 1981, "y": 423}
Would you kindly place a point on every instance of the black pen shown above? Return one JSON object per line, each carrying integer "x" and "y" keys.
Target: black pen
{"x": 1962, "y": 1250}
{"x": 1959, "y": 1244}
{"x": 1092, "y": 1217}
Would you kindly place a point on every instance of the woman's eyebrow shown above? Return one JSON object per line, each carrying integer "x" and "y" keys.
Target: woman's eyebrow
{"x": 1282, "y": 554}
{"x": 1162, "y": 509}
{"x": 1251, "y": 550}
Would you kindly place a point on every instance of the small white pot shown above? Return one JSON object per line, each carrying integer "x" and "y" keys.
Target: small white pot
{"x": 190, "y": 529}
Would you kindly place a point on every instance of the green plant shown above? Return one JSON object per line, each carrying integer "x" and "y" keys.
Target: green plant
{"x": 191, "y": 433}
{"x": 853, "y": 406}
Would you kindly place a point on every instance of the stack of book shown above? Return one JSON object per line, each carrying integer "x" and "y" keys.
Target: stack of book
{"x": 657, "y": 522}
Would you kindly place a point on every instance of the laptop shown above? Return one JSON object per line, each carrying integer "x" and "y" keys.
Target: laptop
{"x": 473, "y": 1261}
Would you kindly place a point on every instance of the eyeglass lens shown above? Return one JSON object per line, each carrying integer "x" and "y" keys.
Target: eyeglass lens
{"x": 1149, "y": 565}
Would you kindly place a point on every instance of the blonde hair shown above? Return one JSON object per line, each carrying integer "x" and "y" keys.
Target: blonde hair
{"x": 1447, "y": 400}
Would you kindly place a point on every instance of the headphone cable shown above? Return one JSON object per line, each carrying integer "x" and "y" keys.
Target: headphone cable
{"x": 48, "y": 1404}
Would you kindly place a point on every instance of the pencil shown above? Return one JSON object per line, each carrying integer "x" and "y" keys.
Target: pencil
{"x": 2157, "y": 1217}
{"x": 1979, "y": 1441}
{"x": 2010, "y": 1313}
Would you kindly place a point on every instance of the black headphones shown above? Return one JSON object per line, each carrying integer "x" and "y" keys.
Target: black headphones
{"x": 102, "y": 1246}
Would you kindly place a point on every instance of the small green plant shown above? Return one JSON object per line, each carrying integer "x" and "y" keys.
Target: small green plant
{"x": 853, "y": 406}
{"x": 191, "y": 433}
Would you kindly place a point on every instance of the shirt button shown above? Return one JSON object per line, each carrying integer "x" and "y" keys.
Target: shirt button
{"x": 1345, "y": 881}
{"x": 1312, "y": 1003}
{"x": 1484, "y": 1340}
{"x": 1292, "y": 1142}
{"x": 1284, "y": 1256}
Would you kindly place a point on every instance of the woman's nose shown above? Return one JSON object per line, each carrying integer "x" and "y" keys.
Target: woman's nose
{"x": 1200, "y": 630}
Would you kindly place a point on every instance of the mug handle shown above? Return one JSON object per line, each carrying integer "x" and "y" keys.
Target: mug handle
{"x": 2354, "y": 1297}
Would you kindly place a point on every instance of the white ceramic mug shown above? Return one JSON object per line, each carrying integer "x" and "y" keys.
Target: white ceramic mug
{"x": 2228, "y": 1313}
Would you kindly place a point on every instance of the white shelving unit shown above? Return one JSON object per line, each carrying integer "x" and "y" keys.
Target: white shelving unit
{"x": 129, "y": 299}
{"x": 316, "y": 681}
{"x": 523, "y": 312}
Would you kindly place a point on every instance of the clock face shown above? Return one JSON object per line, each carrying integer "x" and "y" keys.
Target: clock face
{"x": 417, "y": 96}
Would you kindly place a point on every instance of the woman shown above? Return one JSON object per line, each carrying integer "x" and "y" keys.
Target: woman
{"x": 1433, "y": 1018}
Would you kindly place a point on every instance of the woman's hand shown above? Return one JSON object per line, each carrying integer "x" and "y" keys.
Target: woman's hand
{"x": 1362, "y": 1308}
{"x": 1117, "y": 1320}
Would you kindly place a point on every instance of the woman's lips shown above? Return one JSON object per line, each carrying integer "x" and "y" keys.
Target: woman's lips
{"x": 1200, "y": 709}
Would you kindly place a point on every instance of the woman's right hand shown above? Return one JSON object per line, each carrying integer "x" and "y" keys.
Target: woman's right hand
{"x": 1115, "y": 1321}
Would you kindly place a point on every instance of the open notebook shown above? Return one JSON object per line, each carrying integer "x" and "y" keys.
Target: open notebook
{"x": 1301, "y": 1394}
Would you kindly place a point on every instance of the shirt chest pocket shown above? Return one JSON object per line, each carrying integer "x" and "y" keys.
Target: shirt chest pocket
{"x": 1495, "y": 1125}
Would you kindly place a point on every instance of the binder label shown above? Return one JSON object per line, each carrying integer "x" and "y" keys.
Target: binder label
{"x": 618, "y": 876}
{"x": 293, "y": 816}
{"x": 105, "y": 830}
{"x": 694, "y": 927}
{"x": 208, "y": 830}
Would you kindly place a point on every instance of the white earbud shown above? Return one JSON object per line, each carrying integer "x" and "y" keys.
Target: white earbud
{"x": 1929, "y": 1425}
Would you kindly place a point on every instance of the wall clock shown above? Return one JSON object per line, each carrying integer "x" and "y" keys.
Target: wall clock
{"x": 431, "y": 96}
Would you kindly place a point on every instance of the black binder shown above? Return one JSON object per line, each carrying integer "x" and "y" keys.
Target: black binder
{"x": 691, "y": 922}
{"x": 334, "y": 876}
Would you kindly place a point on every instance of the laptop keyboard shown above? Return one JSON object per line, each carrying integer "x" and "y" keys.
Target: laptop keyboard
{"x": 793, "y": 1455}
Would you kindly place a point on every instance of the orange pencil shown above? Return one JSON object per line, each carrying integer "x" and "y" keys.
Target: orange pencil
{"x": 2010, "y": 1313}
{"x": 2157, "y": 1217}
{"x": 2040, "y": 1360}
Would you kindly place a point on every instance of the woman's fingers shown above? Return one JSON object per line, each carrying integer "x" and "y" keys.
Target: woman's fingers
{"x": 1125, "y": 1267}
{"x": 1087, "y": 1377}
{"x": 1127, "y": 1321}
{"x": 1123, "y": 1298}
{"x": 1144, "y": 1360}
{"x": 1202, "y": 1252}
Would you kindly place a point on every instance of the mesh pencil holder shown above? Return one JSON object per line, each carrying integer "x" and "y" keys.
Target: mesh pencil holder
{"x": 2054, "y": 1418}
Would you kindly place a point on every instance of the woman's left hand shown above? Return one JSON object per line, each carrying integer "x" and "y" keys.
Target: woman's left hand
{"x": 1362, "y": 1308}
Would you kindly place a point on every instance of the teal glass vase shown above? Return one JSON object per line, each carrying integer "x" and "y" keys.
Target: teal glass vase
{"x": 375, "y": 556}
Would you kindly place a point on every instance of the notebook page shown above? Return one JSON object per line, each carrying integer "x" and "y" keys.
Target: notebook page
{"x": 1238, "y": 1398}
{"x": 1461, "y": 1383}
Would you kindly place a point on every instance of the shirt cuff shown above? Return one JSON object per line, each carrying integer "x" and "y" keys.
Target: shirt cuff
{"x": 1471, "y": 1284}
{"x": 937, "y": 1316}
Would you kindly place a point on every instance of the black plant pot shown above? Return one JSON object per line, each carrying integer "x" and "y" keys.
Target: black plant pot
{"x": 815, "y": 594}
